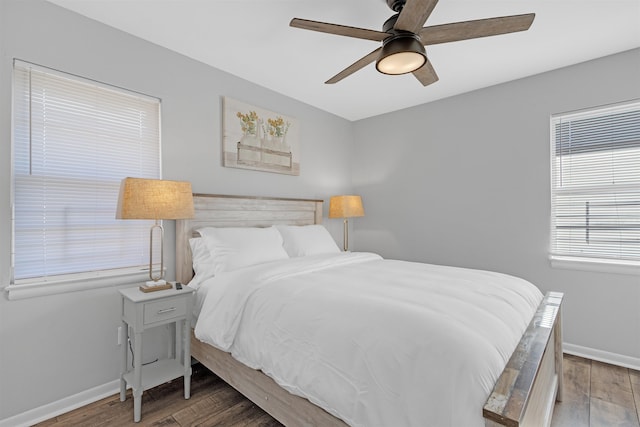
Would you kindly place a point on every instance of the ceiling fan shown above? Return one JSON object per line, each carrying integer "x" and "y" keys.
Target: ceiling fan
{"x": 403, "y": 37}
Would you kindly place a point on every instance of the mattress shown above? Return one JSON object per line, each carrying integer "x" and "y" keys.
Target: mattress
{"x": 374, "y": 342}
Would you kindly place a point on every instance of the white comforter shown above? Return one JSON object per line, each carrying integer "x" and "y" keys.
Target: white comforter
{"x": 374, "y": 342}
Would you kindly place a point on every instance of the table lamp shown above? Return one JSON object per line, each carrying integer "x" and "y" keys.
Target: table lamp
{"x": 156, "y": 199}
{"x": 345, "y": 207}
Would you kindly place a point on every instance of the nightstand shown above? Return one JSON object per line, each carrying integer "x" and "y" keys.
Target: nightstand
{"x": 141, "y": 311}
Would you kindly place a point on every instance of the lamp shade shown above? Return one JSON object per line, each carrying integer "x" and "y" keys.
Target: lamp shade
{"x": 345, "y": 207}
{"x": 142, "y": 198}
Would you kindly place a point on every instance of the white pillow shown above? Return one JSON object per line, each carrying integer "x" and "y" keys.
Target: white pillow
{"x": 203, "y": 262}
{"x": 302, "y": 240}
{"x": 233, "y": 248}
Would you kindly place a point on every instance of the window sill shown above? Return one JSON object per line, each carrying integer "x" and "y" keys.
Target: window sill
{"x": 77, "y": 282}
{"x": 599, "y": 266}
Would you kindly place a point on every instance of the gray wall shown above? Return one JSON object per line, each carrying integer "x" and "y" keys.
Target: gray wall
{"x": 465, "y": 181}
{"x": 56, "y": 346}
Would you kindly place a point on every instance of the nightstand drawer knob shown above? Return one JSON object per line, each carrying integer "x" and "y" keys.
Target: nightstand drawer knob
{"x": 164, "y": 310}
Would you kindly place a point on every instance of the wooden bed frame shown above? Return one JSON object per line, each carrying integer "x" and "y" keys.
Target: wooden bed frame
{"x": 524, "y": 394}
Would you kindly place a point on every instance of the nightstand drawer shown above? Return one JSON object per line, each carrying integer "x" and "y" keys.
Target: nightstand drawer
{"x": 164, "y": 309}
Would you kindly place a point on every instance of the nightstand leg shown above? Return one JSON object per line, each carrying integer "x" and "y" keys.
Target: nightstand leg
{"x": 186, "y": 355}
{"x": 137, "y": 378}
{"x": 124, "y": 335}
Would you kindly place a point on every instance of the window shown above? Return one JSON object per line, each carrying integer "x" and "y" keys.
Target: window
{"x": 74, "y": 140}
{"x": 595, "y": 195}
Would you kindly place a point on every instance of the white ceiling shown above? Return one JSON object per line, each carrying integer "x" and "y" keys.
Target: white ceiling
{"x": 252, "y": 39}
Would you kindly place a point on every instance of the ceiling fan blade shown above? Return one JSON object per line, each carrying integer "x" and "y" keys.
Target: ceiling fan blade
{"x": 474, "y": 29}
{"x": 426, "y": 74}
{"x": 341, "y": 30}
{"x": 360, "y": 63}
{"x": 414, "y": 14}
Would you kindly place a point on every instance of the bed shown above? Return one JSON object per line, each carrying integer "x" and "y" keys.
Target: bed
{"x": 524, "y": 392}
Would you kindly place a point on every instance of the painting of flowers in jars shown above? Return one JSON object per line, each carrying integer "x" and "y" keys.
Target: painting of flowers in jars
{"x": 259, "y": 139}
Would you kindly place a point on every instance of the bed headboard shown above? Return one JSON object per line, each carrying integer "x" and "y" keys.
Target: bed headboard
{"x": 238, "y": 211}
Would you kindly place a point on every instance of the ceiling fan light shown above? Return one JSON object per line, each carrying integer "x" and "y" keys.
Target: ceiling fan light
{"x": 400, "y": 63}
{"x": 401, "y": 55}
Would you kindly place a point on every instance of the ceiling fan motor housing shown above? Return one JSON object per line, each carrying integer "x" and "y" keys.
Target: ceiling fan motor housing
{"x": 400, "y": 44}
{"x": 387, "y": 27}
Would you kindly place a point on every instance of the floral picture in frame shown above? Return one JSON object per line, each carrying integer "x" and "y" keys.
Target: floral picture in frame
{"x": 258, "y": 139}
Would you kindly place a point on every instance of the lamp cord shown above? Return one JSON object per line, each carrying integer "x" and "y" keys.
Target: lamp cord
{"x": 133, "y": 356}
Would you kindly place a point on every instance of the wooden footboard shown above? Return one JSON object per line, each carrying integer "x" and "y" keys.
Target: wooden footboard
{"x": 526, "y": 392}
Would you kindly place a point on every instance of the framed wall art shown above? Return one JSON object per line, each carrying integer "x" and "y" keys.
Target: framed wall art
{"x": 258, "y": 139}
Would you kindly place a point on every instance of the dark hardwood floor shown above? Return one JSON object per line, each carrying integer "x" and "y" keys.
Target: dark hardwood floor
{"x": 596, "y": 394}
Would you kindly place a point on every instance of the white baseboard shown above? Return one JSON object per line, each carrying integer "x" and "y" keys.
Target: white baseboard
{"x": 61, "y": 406}
{"x": 602, "y": 356}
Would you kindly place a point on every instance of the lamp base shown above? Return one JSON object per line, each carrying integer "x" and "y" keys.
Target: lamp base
{"x": 155, "y": 287}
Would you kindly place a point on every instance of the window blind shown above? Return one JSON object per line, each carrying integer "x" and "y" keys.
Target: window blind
{"x": 74, "y": 140}
{"x": 595, "y": 197}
